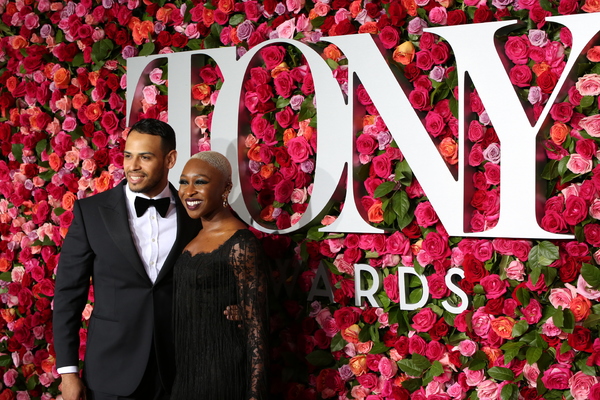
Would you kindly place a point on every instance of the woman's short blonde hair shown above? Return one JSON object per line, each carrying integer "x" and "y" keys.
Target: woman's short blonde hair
{"x": 216, "y": 160}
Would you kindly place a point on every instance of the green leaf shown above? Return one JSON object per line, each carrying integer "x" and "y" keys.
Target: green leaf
{"x": 78, "y": 60}
{"x": 236, "y": 19}
{"x": 520, "y": 328}
{"x": 384, "y": 188}
{"x": 314, "y": 234}
{"x": 194, "y": 44}
{"x": 364, "y": 335}
{"x": 501, "y": 373}
{"x": 5, "y": 360}
{"x": 437, "y": 368}
{"x": 414, "y": 366}
{"x": 379, "y": 348}
{"x": 533, "y": 354}
{"x": 523, "y": 296}
{"x": 421, "y": 361}
{"x": 591, "y": 274}
{"x": 586, "y": 101}
{"x": 568, "y": 321}
{"x": 550, "y": 170}
{"x": 102, "y": 49}
{"x": 558, "y": 318}
{"x": 320, "y": 358}
{"x": 403, "y": 173}
{"x": 477, "y": 365}
{"x": 41, "y": 146}
{"x": 147, "y": 49}
{"x": 337, "y": 342}
{"x": 544, "y": 254}
{"x": 332, "y": 64}
{"x": 17, "y": 150}
{"x": 307, "y": 109}
{"x": 509, "y": 392}
{"x": 412, "y": 384}
{"x": 282, "y": 102}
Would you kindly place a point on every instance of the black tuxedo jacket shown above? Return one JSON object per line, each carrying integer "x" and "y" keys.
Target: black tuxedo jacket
{"x": 129, "y": 310}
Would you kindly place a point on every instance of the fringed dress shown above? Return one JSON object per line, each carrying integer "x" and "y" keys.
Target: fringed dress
{"x": 217, "y": 358}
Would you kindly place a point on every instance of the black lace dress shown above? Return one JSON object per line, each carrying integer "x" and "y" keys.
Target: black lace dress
{"x": 217, "y": 358}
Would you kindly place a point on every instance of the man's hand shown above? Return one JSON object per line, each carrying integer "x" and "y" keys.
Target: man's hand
{"x": 72, "y": 387}
{"x": 232, "y": 313}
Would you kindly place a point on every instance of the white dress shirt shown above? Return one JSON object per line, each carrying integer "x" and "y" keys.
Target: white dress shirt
{"x": 153, "y": 236}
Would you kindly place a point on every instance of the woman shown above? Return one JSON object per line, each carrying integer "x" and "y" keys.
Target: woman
{"x": 218, "y": 357}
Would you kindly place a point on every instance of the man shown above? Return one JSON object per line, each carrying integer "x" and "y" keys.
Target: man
{"x": 127, "y": 247}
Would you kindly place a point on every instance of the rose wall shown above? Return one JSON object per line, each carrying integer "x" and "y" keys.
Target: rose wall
{"x": 531, "y": 329}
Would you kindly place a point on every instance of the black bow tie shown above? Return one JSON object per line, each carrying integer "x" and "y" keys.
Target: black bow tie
{"x": 161, "y": 205}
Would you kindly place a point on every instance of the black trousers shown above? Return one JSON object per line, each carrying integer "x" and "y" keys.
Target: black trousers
{"x": 150, "y": 388}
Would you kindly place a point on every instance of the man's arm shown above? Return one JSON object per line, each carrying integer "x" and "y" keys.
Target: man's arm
{"x": 71, "y": 292}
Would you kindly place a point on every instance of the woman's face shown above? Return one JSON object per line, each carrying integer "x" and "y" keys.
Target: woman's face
{"x": 201, "y": 188}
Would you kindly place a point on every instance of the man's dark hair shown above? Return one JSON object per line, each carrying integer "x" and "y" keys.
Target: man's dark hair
{"x": 151, "y": 126}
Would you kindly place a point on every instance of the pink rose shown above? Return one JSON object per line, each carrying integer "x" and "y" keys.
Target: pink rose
{"x": 520, "y": 75}
{"x": 284, "y": 84}
{"x": 493, "y": 286}
{"x": 531, "y": 373}
{"x": 387, "y": 368}
{"x": 390, "y": 285}
{"x": 515, "y": 270}
{"x": 416, "y": 344}
{"x": 474, "y": 378}
{"x": 467, "y": 347}
{"x": 382, "y": 166}
{"x": 581, "y": 385}
{"x": 419, "y": 100}
{"x": 366, "y": 144}
{"x": 397, "y": 243}
{"x": 595, "y": 392}
{"x": 435, "y": 246}
{"x": 591, "y": 125}
{"x": 10, "y": 377}
{"x": 533, "y": 312}
{"x": 578, "y": 164}
{"x": 588, "y": 85}
{"x": 299, "y": 149}
{"x": 424, "y": 320}
{"x": 488, "y": 390}
{"x": 481, "y": 322}
{"x": 560, "y": 297}
{"x": 517, "y": 49}
{"x": 425, "y": 214}
{"x": 437, "y": 286}
{"x": 557, "y": 376}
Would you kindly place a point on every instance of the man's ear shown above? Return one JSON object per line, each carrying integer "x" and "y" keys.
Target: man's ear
{"x": 171, "y": 158}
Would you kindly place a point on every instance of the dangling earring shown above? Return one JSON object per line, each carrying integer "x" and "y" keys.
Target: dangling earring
{"x": 225, "y": 202}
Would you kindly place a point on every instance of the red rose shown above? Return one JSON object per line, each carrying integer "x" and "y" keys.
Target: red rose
{"x": 273, "y": 55}
{"x": 554, "y": 222}
{"x": 438, "y": 331}
{"x": 483, "y": 14}
{"x": 346, "y": 316}
{"x": 580, "y": 339}
{"x": 389, "y": 37}
{"x": 456, "y": 17}
{"x": 179, "y": 40}
{"x": 547, "y": 81}
{"x": 436, "y": 246}
{"x": 382, "y": 166}
{"x": 419, "y": 99}
{"x": 440, "y": 52}
{"x": 284, "y": 84}
{"x": 520, "y": 75}
{"x": 474, "y": 269}
{"x": 283, "y": 191}
{"x": 569, "y": 270}
{"x": 592, "y": 234}
{"x": 575, "y": 210}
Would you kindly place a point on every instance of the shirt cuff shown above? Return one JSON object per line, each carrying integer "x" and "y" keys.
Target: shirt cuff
{"x": 69, "y": 369}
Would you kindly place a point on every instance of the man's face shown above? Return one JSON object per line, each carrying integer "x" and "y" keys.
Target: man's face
{"x": 145, "y": 164}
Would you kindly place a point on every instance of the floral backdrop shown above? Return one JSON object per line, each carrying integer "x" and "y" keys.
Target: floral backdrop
{"x": 531, "y": 328}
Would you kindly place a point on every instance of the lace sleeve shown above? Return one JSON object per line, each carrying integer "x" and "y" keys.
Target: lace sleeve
{"x": 250, "y": 267}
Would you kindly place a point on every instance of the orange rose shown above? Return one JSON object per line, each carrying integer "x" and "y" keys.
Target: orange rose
{"x": 93, "y": 77}
{"x": 266, "y": 171}
{"x": 18, "y": 42}
{"x": 332, "y": 52}
{"x": 141, "y": 31}
{"x": 540, "y": 68}
{"x": 55, "y": 161}
{"x": 79, "y": 100}
{"x": 445, "y": 3}
{"x": 355, "y": 8}
{"x": 68, "y": 200}
{"x": 5, "y": 265}
{"x": 404, "y": 53}
{"x": 493, "y": 354}
{"x": 27, "y": 370}
{"x": 369, "y": 120}
{"x": 11, "y": 83}
{"x": 62, "y": 78}
{"x": 580, "y": 306}
{"x": 279, "y": 69}
{"x": 201, "y": 91}
{"x": 591, "y": 6}
{"x": 267, "y": 213}
{"x": 288, "y": 135}
{"x": 559, "y": 132}
{"x": 305, "y": 129}
{"x": 48, "y": 73}
{"x": 369, "y": 27}
{"x": 449, "y": 150}
{"x": 350, "y": 334}
{"x": 164, "y": 13}
{"x": 94, "y": 111}
{"x": 411, "y": 7}
{"x": 375, "y": 213}
{"x": 233, "y": 36}
{"x": 593, "y": 54}
{"x": 364, "y": 347}
{"x": 226, "y": 6}
{"x": 48, "y": 363}
{"x": 254, "y": 153}
{"x": 503, "y": 327}
{"x": 102, "y": 183}
{"x": 8, "y": 314}
{"x": 358, "y": 365}
{"x": 208, "y": 16}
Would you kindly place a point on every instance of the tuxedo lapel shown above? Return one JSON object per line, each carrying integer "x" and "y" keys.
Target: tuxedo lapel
{"x": 116, "y": 219}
